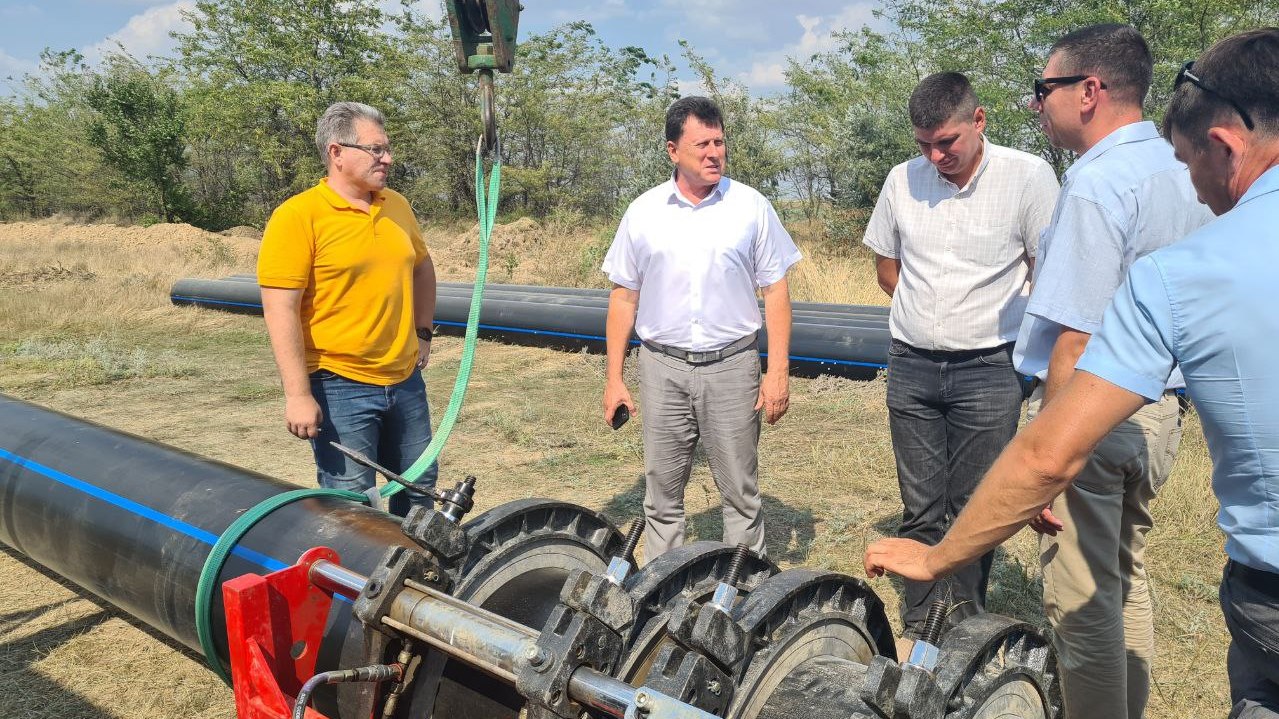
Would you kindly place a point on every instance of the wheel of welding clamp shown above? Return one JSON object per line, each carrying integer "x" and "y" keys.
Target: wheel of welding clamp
{"x": 693, "y": 570}
{"x": 520, "y": 555}
{"x": 797, "y": 622}
{"x": 994, "y": 667}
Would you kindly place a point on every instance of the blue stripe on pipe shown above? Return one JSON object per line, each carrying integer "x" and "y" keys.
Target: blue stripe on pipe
{"x": 207, "y": 301}
{"x": 129, "y": 505}
{"x": 823, "y": 360}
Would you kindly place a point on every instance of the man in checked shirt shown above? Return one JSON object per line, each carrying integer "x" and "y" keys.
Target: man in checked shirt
{"x": 954, "y": 232}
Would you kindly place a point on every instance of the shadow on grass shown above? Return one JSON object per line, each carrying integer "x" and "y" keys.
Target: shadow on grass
{"x": 24, "y": 683}
{"x": 28, "y": 692}
{"x": 789, "y": 531}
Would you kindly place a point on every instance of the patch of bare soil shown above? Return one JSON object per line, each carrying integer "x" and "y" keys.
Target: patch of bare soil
{"x": 55, "y": 273}
{"x": 161, "y": 235}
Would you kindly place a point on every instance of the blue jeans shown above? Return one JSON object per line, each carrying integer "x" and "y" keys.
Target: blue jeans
{"x": 950, "y": 415}
{"x": 1250, "y": 602}
{"x": 391, "y": 425}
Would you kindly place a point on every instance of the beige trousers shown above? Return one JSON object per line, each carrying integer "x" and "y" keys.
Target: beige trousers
{"x": 1096, "y": 594}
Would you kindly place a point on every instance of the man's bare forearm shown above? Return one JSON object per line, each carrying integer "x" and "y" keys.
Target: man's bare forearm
{"x": 281, "y": 310}
{"x": 424, "y": 289}
{"x": 887, "y": 273}
{"x": 622, "y": 304}
{"x": 1066, "y": 352}
{"x": 1037, "y": 465}
{"x": 777, "y": 320}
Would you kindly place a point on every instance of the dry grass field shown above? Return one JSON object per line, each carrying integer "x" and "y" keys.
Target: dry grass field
{"x": 86, "y": 328}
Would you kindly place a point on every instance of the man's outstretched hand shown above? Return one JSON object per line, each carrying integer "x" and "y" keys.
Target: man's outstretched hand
{"x": 903, "y": 557}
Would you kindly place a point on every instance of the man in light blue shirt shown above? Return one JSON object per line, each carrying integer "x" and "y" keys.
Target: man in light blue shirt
{"x": 1125, "y": 197}
{"x": 1208, "y": 304}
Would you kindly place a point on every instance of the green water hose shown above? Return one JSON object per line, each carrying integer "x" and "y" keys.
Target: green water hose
{"x": 486, "y": 206}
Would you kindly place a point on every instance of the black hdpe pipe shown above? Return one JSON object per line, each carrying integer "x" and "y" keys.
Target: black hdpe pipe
{"x": 132, "y": 522}
{"x": 821, "y": 342}
{"x": 465, "y": 288}
{"x": 241, "y": 290}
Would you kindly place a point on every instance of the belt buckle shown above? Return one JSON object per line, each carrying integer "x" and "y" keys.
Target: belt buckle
{"x": 702, "y": 357}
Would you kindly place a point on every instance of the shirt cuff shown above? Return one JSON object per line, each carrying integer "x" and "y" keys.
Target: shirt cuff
{"x": 1150, "y": 389}
{"x": 1061, "y": 316}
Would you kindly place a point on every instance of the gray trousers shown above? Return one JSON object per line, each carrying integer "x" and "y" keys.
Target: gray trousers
{"x": 680, "y": 404}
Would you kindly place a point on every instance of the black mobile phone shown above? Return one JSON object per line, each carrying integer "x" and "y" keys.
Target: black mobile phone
{"x": 620, "y": 415}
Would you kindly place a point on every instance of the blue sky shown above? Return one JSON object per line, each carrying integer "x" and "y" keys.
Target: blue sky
{"x": 748, "y": 40}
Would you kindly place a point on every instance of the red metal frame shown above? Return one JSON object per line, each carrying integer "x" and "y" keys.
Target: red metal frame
{"x": 274, "y": 627}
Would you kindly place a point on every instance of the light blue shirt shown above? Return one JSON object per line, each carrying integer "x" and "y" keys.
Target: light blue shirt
{"x": 1211, "y": 304}
{"x": 1124, "y": 198}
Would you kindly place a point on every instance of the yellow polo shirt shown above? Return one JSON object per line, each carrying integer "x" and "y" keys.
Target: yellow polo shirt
{"x": 356, "y": 270}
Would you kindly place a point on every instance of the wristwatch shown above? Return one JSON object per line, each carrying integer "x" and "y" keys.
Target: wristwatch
{"x": 425, "y": 333}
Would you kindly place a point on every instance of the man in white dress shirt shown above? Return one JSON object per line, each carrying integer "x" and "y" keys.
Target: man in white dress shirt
{"x": 685, "y": 265}
{"x": 955, "y": 233}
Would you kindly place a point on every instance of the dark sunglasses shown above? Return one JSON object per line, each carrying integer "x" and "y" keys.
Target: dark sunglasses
{"x": 1187, "y": 76}
{"x": 1042, "y": 84}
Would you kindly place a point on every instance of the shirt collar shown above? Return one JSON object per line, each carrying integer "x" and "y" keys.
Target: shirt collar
{"x": 1264, "y": 185}
{"x": 333, "y": 198}
{"x": 1132, "y": 132}
{"x": 676, "y": 196}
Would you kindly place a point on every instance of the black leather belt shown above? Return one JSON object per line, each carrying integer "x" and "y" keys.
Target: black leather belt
{"x": 1258, "y": 579}
{"x": 722, "y": 353}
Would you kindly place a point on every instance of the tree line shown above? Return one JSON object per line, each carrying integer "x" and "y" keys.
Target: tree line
{"x": 221, "y": 131}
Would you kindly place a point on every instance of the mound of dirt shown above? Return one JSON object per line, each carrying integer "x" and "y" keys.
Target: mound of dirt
{"x": 509, "y": 237}
{"x": 245, "y": 231}
{"x": 179, "y": 236}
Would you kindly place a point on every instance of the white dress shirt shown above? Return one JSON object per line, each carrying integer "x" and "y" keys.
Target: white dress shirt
{"x": 696, "y": 266}
{"x": 963, "y": 250}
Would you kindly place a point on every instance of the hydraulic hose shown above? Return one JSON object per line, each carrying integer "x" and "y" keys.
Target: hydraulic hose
{"x": 373, "y": 673}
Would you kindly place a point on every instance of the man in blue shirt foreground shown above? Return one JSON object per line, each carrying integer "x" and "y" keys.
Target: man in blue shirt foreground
{"x": 1207, "y": 303}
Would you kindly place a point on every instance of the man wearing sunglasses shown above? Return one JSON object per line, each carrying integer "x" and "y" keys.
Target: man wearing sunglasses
{"x": 954, "y": 232}
{"x": 348, "y": 294}
{"x": 1124, "y": 197}
{"x": 1204, "y": 306}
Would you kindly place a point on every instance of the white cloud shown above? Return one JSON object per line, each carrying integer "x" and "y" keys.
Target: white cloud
{"x": 595, "y": 13}
{"x": 768, "y": 69}
{"x": 146, "y": 33}
{"x": 433, "y": 9}
{"x": 15, "y": 67}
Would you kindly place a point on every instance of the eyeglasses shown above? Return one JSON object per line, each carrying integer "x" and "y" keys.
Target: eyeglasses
{"x": 1042, "y": 84}
{"x": 1187, "y": 76}
{"x": 377, "y": 151}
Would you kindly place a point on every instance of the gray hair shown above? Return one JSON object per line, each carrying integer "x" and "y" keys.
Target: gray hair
{"x": 337, "y": 124}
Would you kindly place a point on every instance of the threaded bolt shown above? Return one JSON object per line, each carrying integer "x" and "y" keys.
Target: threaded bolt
{"x": 735, "y": 566}
{"x": 935, "y": 621}
{"x": 632, "y": 540}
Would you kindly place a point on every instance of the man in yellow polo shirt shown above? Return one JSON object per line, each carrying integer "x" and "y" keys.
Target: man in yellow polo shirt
{"x": 348, "y": 293}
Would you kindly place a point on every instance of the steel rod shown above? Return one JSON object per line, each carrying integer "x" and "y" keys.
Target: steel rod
{"x": 337, "y": 579}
